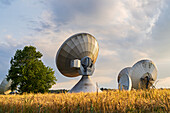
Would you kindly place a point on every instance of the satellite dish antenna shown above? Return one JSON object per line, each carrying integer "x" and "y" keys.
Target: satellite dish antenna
{"x": 5, "y": 86}
{"x": 124, "y": 80}
{"x": 77, "y": 56}
{"x": 143, "y": 74}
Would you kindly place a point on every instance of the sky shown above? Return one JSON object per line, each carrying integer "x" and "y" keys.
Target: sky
{"x": 126, "y": 30}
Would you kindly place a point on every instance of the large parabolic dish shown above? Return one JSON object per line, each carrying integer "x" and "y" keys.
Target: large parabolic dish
{"x": 5, "y": 85}
{"x": 76, "y": 47}
{"x": 77, "y": 56}
{"x": 124, "y": 80}
{"x": 143, "y": 74}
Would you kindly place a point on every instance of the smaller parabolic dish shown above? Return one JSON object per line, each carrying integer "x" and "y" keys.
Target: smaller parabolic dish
{"x": 124, "y": 80}
{"x": 73, "y": 49}
{"x": 5, "y": 86}
{"x": 143, "y": 74}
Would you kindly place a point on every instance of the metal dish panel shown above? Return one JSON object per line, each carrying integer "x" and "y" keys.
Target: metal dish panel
{"x": 76, "y": 47}
{"x": 140, "y": 69}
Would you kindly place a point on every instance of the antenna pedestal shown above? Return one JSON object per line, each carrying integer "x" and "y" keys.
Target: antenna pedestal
{"x": 85, "y": 85}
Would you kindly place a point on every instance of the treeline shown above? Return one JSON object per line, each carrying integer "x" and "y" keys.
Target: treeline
{"x": 59, "y": 91}
{"x": 65, "y": 90}
{"x": 102, "y": 89}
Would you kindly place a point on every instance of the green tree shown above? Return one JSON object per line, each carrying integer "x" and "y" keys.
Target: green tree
{"x": 28, "y": 73}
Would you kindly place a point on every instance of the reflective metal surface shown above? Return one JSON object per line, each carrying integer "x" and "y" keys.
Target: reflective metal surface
{"x": 124, "y": 80}
{"x": 142, "y": 70}
{"x": 85, "y": 85}
{"x": 124, "y": 71}
{"x": 76, "y": 47}
{"x": 5, "y": 85}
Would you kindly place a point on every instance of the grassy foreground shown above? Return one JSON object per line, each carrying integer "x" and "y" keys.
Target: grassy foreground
{"x": 108, "y": 101}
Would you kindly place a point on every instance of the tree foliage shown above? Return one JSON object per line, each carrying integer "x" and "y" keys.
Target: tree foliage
{"x": 28, "y": 73}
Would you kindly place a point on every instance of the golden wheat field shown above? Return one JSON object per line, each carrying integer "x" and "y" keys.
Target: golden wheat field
{"x": 104, "y": 102}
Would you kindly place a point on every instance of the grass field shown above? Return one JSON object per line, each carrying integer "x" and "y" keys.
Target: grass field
{"x": 107, "y": 101}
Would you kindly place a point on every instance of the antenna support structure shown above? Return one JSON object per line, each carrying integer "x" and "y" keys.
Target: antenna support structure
{"x": 77, "y": 56}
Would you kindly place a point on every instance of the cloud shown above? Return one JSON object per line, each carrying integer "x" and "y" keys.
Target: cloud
{"x": 122, "y": 25}
{"x": 8, "y": 47}
{"x": 127, "y": 31}
{"x": 122, "y": 28}
{"x": 6, "y": 2}
{"x": 104, "y": 81}
{"x": 71, "y": 83}
{"x": 64, "y": 85}
{"x": 160, "y": 34}
{"x": 106, "y": 52}
{"x": 163, "y": 83}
